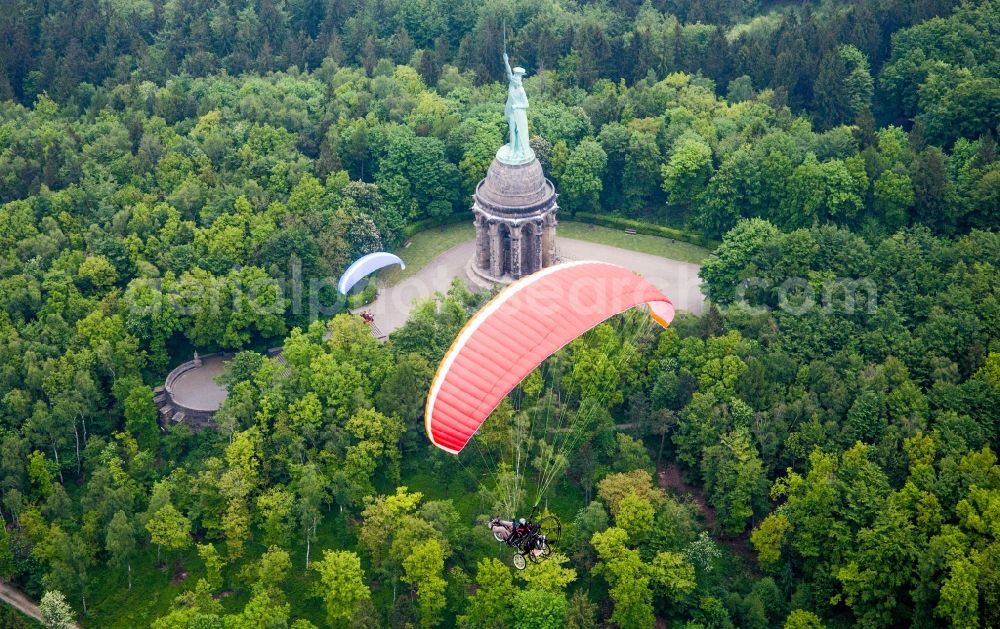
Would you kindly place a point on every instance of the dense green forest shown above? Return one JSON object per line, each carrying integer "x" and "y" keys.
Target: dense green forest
{"x": 817, "y": 449}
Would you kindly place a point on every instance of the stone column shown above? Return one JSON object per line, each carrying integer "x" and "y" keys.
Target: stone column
{"x": 515, "y": 251}
{"x": 496, "y": 250}
{"x": 549, "y": 240}
{"x": 482, "y": 243}
{"x": 536, "y": 246}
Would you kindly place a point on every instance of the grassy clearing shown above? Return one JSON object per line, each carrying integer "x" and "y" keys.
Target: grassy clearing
{"x": 653, "y": 245}
{"x": 112, "y": 605}
{"x": 426, "y": 246}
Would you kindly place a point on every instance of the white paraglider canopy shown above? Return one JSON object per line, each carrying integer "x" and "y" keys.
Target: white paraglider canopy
{"x": 364, "y": 266}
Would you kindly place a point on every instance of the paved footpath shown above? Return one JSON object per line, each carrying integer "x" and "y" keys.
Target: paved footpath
{"x": 678, "y": 280}
{"x": 20, "y": 602}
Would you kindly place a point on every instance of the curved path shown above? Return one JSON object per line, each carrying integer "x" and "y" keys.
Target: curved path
{"x": 19, "y": 601}
{"x": 678, "y": 280}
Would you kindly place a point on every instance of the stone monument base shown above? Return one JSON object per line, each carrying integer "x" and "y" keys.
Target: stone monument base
{"x": 480, "y": 280}
{"x": 505, "y": 155}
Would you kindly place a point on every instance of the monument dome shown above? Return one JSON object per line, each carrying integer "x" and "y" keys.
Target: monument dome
{"x": 514, "y": 205}
{"x": 515, "y": 188}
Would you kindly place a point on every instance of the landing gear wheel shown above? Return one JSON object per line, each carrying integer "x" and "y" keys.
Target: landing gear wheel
{"x": 519, "y": 562}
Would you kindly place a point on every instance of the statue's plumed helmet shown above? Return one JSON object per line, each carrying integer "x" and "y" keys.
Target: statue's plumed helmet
{"x": 519, "y": 71}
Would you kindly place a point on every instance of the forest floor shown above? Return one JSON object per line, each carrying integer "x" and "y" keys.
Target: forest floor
{"x": 669, "y": 477}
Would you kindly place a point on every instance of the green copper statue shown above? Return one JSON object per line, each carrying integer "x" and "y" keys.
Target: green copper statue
{"x": 518, "y": 151}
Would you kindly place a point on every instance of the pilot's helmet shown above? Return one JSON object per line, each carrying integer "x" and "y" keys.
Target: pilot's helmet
{"x": 521, "y": 522}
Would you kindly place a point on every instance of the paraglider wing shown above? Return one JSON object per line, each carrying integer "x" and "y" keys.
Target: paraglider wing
{"x": 522, "y": 326}
{"x": 364, "y": 266}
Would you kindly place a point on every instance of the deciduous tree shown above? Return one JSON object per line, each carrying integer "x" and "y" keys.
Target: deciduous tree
{"x": 168, "y": 527}
{"x": 544, "y": 609}
{"x": 341, "y": 585}
{"x": 490, "y": 606}
{"x": 56, "y": 612}
{"x": 120, "y": 543}
{"x": 423, "y": 570}
{"x": 582, "y": 177}
{"x": 309, "y": 488}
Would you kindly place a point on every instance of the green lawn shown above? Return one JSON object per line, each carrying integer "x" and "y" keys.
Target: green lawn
{"x": 426, "y": 246}
{"x": 654, "y": 245}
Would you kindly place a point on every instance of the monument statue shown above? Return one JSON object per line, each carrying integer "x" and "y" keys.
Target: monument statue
{"x": 518, "y": 150}
{"x": 514, "y": 205}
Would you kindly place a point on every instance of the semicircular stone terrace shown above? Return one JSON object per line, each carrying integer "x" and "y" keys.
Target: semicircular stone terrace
{"x": 190, "y": 395}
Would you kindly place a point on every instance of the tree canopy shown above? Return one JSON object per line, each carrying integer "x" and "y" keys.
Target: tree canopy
{"x": 817, "y": 448}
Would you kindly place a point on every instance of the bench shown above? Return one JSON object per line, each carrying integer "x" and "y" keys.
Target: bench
{"x": 630, "y": 231}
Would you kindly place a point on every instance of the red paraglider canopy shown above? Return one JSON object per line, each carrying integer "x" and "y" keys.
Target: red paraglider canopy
{"x": 515, "y": 332}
